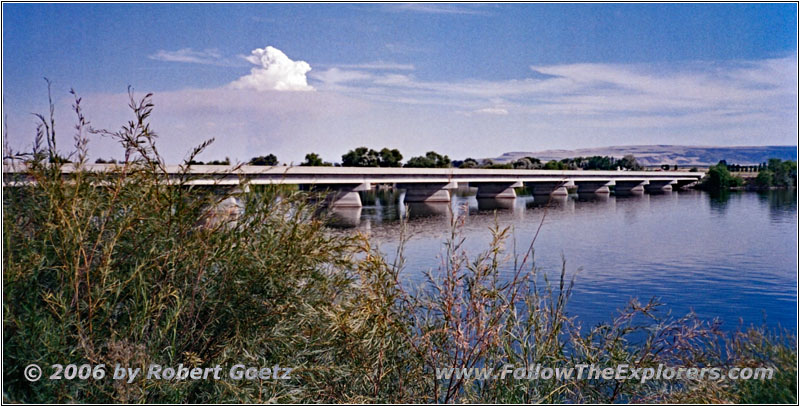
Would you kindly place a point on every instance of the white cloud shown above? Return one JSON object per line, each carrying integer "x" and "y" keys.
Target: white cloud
{"x": 275, "y": 71}
{"x": 335, "y": 75}
{"x": 499, "y": 111}
{"x": 432, "y": 8}
{"x": 574, "y": 105}
{"x": 188, "y": 55}
{"x": 379, "y": 66}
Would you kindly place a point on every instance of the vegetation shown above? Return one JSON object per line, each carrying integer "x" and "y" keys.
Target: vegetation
{"x": 364, "y": 157}
{"x": 123, "y": 267}
{"x": 718, "y": 178}
{"x": 431, "y": 159}
{"x": 774, "y": 173}
{"x": 784, "y": 173}
{"x": 269, "y": 159}
{"x": 607, "y": 163}
{"x": 314, "y": 160}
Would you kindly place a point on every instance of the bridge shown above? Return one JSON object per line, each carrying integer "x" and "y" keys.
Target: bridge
{"x": 429, "y": 185}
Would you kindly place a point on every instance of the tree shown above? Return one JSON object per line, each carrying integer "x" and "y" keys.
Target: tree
{"x": 226, "y": 161}
{"x": 390, "y": 158}
{"x": 527, "y": 163}
{"x": 431, "y": 159}
{"x": 628, "y": 162}
{"x": 718, "y": 178}
{"x": 467, "y": 163}
{"x": 361, "y": 157}
{"x": 269, "y": 159}
{"x": 784, "y": 172}
{"x": 555, "y": 165}
{"x": 764, "y": 179}
{"x": 314, "y": 160}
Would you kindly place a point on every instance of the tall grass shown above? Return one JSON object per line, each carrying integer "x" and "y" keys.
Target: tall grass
{"x": 132, "y": 267}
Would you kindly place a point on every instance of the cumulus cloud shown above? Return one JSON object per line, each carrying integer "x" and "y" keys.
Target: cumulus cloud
{"x": 275, "y": 71}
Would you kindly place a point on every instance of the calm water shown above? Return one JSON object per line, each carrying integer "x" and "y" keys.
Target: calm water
{"x": 732, "y": 257}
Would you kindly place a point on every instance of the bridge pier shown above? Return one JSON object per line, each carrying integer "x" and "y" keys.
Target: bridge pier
{"x": 558, "y": 188}
{"x": 496, "y": 190}
{"x": 427, "y": 192}
{"x": 594, "y": 187}
{"x": 659, "y": 186}
{"x": 629, "y": 187}
{"x": 342, "y": 195}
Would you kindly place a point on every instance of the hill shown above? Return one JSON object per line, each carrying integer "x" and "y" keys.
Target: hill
{"x": 666, "y": 154}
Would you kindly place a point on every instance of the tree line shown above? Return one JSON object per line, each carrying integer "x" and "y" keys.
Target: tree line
{"x": 386, "y": 157}
{"x": 772, "y": 173}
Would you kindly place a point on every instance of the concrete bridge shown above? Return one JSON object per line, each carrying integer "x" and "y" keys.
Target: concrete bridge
{"x": 423, "y": 184}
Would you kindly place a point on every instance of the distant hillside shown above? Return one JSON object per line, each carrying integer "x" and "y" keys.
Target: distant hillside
{"x": 665, "y": 154}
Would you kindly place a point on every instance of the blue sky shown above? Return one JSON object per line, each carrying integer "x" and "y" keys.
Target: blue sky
{"x": 462, "y": 79}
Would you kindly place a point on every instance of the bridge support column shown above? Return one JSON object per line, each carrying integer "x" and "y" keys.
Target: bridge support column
{"x": 342, "y": 195}
{"x": 659, "y": 186}
{"x": 496, "y": 190}
{"x": 629, "y": 187}
{"x": 428, "y": 192}
{"x": 550, "y": 188}
{"x": 593, "y": 187}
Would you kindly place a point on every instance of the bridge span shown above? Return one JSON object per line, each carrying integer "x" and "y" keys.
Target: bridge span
{"x": 421, "y": 184}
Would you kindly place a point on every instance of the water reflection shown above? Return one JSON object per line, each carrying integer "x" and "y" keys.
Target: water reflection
{"x": 593, "y": 197}
{"x": 418, "y": 210}
{"x": 718, "y": 201}
{"x": 727, "y": 255}
{"x": 344, "y": 217}
{"x": 490, "y": 204}
{"x": 781, "y": 203}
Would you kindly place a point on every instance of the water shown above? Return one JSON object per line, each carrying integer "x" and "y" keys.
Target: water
{"x": 732, "y": 256}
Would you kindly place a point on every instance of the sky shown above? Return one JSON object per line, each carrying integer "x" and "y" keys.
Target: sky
{"x": 467, "y": 80}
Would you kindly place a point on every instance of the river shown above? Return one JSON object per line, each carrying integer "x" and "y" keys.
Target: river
{"x": 732, "y": 257}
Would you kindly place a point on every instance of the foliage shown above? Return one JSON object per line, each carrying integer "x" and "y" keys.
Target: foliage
{"x": 431, "y": 159}
{"x": 718, "y": 178}
{"x": 467, "y": 163}
{"x": 764, "y": 179}
{"x": 390, "y": 158}
{"x": 784, "y": 172}
{"x": 527, "y": 163}
{"x": 367, "y": 157}
{"x": 556, "y": 165}
{"x": 269, "y": 159}
{"x": 226, "y": 161}
{"x": 314, "y": 160}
